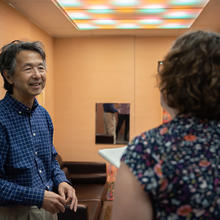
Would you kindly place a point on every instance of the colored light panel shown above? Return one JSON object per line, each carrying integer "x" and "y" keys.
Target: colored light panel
{"x": 132, "y": 14}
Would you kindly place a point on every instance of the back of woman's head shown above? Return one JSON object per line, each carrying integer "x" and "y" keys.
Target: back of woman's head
{"x": 190, "y": 77}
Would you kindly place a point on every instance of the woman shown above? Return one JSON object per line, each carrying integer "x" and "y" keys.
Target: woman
{"x": 172, "y": 172}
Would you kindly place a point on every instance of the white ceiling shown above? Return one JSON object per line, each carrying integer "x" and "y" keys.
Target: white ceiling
{"x": 50, "y": 18}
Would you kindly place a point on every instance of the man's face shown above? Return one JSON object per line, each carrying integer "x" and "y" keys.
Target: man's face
{"x": 29, "y": 77}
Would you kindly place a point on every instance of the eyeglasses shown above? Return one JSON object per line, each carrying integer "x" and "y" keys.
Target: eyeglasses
{"x": 159, "y": 65}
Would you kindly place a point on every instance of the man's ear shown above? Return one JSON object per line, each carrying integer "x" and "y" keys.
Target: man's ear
{"x": 7, "y": 77}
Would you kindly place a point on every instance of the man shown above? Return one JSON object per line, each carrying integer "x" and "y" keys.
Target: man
{"x": 29, "y": 172}
{"x": 110, "y": 120}
{"x": 123, "y": 116}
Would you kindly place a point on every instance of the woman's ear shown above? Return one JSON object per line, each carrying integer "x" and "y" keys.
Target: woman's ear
{"x": 7, "y": 77}
{"x": 162, "y": 101}
{"x": 173, "y": 112}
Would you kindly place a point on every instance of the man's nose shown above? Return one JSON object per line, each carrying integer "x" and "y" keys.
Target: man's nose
{"x": 36, "y": 73}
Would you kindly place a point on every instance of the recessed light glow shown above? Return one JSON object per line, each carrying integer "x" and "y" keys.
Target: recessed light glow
{"x": 69, "y": 3}
{"x": 154, "y": 6}
{"x": 126, "y": 10}
{"x": 128, "y": 26}
{"x": 173, "y": 26}
{"x": 86, "y": 26}
{"x": 104, "y": 22}
{"x": 151, "y": 10}
{"x": 101, "y": 11}
{"x": 179, "y": 14}
{"x": 150, "y": 21}
{"x": 186, "y": 2}
{"x": 124, "y": 3}
{"x": 98, "y": 7}
{"x": 78, "y": 15}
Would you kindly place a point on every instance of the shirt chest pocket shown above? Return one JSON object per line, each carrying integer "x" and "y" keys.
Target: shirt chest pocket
{"x": 20, "y": 156}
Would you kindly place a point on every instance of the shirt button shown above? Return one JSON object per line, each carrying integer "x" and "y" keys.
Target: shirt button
{"x": 19, "y": 112}
{"x": 40, "y": 171}
{"x": 36, "y": 153}
{"x": 34, "y": 134}
{"x": 48, "y": 187}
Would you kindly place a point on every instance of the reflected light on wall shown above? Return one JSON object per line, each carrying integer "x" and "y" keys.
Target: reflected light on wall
{"x": 132, "y": 14}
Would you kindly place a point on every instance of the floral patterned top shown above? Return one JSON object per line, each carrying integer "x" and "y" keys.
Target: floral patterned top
{"x": 178, "y": 165}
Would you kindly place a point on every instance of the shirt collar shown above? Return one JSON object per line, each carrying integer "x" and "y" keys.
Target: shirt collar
{"x": 18, "y": 106}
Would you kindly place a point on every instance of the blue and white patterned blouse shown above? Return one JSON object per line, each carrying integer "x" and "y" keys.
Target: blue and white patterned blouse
{"x": 178, "y": 165}
{"x": 27, "y": 155}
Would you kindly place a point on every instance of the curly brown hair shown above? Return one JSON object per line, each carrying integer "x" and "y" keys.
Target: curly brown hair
{"x": 190, "y": 77}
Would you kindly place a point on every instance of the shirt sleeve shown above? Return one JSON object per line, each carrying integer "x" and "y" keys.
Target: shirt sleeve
{"x": 144, "y": 163}
{"x": 113, "y": 109}
{"x": 58, "y": 175}
{"x": 12, "y": 193}
{"x": 108, "y": 107}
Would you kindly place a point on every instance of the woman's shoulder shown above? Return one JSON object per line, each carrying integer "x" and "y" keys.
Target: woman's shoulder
{"x": 157, "y": 134}
{"x": 160, "y": 139}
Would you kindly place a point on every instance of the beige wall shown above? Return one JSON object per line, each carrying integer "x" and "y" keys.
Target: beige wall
{"x": 103, "y": 69}
{"x": 14, "y": 26}
{"x": 94, "y": 70}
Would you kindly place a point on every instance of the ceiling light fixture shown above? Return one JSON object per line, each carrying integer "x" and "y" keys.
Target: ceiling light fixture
{"x": 132, "y": 14}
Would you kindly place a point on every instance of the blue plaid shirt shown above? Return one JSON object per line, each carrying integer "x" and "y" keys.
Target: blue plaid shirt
{"x": 27, "y": 155}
